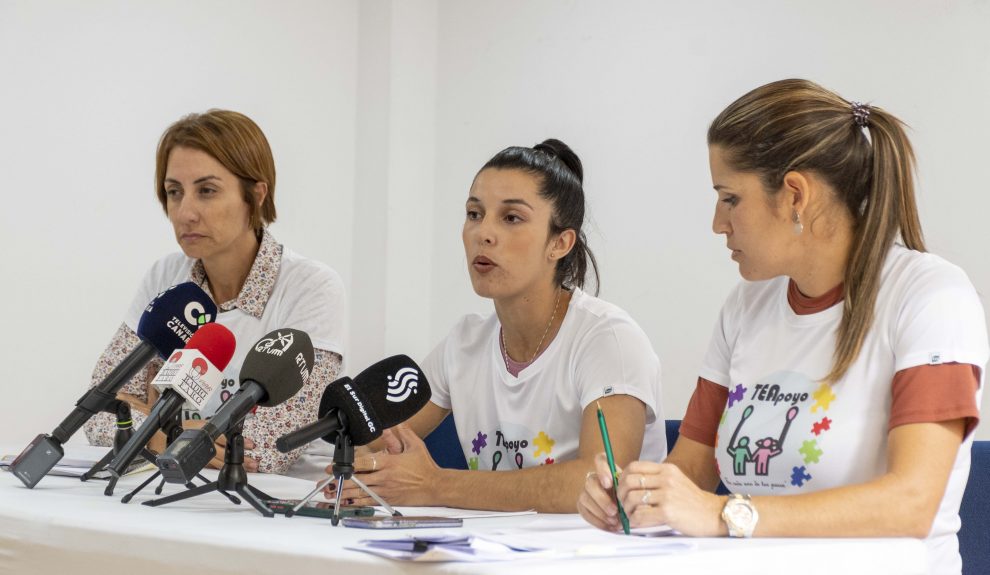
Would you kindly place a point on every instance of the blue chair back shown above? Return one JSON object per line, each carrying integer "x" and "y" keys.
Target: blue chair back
{"x": 974, "y": 535}
{"x": 444, "y": 446}
{"x": 673, "y": 429}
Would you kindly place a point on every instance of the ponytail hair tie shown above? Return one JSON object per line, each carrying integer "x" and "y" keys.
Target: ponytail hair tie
{"x": 861, "y": 114}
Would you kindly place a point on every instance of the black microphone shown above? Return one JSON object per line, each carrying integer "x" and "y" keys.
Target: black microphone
{"x": 193, "y": 374}
{"x": 274, "y": 370}
{"x": 166, "y": 324}
{"x": 386, "y": 394}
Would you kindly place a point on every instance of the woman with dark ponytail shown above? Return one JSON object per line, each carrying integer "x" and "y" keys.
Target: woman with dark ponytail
{"x": 524, "y": 383}
{"x": 846, "y": 371}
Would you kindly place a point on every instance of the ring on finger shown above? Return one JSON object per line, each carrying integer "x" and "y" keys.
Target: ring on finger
{"x": 588, "y": 475}
{"x": 646, "y": 497}
{"x": 642, "y": 482}
{"x": 374, "y": 463}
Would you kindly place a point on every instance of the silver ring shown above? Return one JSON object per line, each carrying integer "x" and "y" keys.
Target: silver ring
{"x": 374, "y": 463}
{"x": 588, "y": 475}
{"x": 646, "y": 497}
{"x": 642, "y": 482}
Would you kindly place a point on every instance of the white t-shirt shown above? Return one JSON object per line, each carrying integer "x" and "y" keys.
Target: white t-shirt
{"x": 785, "y": 432}
{"x": 307, "y": 295}
{"x": 504, "y": 422}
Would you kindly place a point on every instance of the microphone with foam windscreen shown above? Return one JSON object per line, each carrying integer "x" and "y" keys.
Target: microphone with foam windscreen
{"x": 192, "y": 375}
{"x": 274, "y": 370}
{"x": 386, "y": 394}
{"x": 166, "y": 324}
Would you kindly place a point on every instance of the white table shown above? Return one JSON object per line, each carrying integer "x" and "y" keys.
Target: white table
{"x": 69, "y": 527}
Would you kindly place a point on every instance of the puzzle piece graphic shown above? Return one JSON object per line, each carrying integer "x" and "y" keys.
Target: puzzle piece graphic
{"x": 479, "y": 442}
{"x": 819, "y": 426}
{"x": 543, "y": 444}
{"x": 473, "y": 464}
{"x": 809, "y": 449}
{"x": 548, "y": 461}
{"x": 799, "y": 476}
{"x": 823, "y": 398}
{"x": 737, "y": 395}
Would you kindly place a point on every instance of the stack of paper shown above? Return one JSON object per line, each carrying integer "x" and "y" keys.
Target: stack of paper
{"x": 67, "y": 467}
{"x": 446, "y": 547}
{"x": 556, "y": 538}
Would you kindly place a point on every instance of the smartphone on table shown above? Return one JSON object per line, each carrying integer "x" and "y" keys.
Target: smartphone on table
{"x": 322, "y": 509}
{"x": 401, "y": 522}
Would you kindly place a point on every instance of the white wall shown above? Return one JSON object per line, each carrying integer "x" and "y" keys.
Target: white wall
{"x": 381, "y": 111}
{"x": 632, "y": 86}
{"x": 86, "y": 89}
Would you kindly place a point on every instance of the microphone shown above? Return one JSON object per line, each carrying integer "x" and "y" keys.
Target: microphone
{"x": 166, "y": 324}
{"x": 191, "y": 375}
{"x": 383, "y": 395}
{"x": 274, "y": 370}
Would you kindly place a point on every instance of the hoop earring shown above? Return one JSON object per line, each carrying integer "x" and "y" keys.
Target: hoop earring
{"x": 798, "y": 226}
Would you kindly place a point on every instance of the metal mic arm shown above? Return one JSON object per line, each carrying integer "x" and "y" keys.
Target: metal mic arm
{"x": 125, "y": 429}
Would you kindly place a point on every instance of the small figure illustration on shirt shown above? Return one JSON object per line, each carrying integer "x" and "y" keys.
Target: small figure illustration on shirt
{"x": 769, "y": 447}
{"x": 740, "y": 451}
{"x": 740, "y": 455}
{"x": 765, "y": 449}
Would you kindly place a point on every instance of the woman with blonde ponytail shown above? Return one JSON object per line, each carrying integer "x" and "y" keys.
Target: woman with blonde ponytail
{"x": 846, "y": 371}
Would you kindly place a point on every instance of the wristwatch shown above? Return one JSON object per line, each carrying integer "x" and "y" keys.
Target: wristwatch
{"x": 740, "y": 515}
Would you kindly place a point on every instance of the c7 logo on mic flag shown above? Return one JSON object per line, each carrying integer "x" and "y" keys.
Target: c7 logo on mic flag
{"x": 403, "y": 384}
{"x": 196, "y": 314}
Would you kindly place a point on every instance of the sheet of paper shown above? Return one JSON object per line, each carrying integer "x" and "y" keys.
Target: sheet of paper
{"x": 592, "y": 542}
{"x": 445, "y": 547}
{"x": 522, "y": 543}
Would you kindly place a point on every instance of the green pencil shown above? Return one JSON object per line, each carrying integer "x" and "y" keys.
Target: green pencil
{"x": 611, "y": 467}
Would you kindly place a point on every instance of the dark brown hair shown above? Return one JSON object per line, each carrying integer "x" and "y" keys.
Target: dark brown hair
{"x": 561, "y": 177}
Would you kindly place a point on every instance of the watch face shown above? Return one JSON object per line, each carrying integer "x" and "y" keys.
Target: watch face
{"x": 739, "y": 513}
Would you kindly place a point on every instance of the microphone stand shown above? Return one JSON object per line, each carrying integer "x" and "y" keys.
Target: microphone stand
{"x": 343, "y": 469}
{"x": 172, "y": 430}
{"x": 125, "y": 429}
{"x": 232, "y": 477}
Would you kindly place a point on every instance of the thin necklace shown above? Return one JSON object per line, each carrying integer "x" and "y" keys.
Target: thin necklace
{"x": 505, "y": 349}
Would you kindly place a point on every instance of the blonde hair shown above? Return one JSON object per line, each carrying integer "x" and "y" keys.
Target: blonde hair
{"x": 798, "y": 125}
{"x": 237, "y": 143}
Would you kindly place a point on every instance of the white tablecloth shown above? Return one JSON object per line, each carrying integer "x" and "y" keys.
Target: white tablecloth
{"x": 69, "y": 527}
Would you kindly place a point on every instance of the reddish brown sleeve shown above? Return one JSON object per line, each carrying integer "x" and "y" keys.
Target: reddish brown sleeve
{"x": 700, "y": 422}
{"x": 933, "y": 393}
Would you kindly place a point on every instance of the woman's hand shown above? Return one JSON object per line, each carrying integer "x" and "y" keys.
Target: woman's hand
{"x": 597, "y": 502}
{"x": 651, "y": 494}
{"x": 403, "y": 474}
{"x": 138, "y": 404}
{"x": 250, "y": 463}
{"x": 660, "y": 494}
